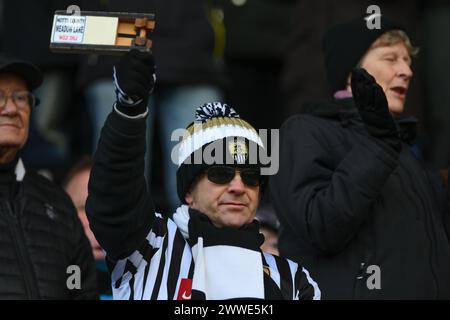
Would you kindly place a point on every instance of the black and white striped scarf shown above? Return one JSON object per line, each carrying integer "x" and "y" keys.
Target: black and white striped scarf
{"x": 228, "y": 263}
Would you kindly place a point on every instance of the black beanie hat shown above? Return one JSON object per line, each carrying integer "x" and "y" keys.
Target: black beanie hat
{"x": 219, "y": 128}
{"x": 345, "y": 44}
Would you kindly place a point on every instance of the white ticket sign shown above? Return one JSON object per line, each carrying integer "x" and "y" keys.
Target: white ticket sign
{"x": 68, "y": 29}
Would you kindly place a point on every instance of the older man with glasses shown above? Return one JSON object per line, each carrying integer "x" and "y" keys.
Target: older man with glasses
{"x": 210, "y": 248}
{"x": 41, "y": 238}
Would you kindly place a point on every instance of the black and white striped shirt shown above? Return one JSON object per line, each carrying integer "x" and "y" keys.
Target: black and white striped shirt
{"x": 156, "y": 270}
{"x": 148, "y": 256}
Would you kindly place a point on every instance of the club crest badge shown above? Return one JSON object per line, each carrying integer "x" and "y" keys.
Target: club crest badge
{"x": 238, "y": 150}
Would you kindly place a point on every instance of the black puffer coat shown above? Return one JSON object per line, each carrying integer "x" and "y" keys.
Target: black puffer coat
{"x": 40, "y": 237}
{"x": 348, "y": 205}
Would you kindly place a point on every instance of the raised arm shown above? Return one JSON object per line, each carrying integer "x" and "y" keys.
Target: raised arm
{"x": 119, "y": 207}
{"x": 325, "y": 201}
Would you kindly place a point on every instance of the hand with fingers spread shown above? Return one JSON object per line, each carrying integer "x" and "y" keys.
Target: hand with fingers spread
{"x": 373, "y": 108}
{"x": 134, "y": 80}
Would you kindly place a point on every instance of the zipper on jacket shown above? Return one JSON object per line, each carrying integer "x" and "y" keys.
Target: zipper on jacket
{"x": 24, "y": 262}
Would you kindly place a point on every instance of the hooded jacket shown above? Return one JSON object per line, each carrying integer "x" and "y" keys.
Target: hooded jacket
{"x": 367, "y": 222}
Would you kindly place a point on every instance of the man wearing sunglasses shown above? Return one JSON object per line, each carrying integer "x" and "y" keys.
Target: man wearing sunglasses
{"x": 40, "y": 234}
{"x": 210, "y": 248}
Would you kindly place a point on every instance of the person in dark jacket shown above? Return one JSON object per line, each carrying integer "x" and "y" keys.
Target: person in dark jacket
{"x": 210, "y": 248}
{"x": 355, "y": 201}
{"x": 188, "y": 75}
{"x": 44, "y": 253}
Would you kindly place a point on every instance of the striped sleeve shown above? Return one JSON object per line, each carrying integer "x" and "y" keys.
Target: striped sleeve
{"x": 294, "y": 281}
{"x": 306, "y": 287}
{"x": 155, "y": 270}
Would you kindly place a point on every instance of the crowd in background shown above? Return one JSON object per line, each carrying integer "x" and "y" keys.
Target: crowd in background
{"x": 262, "y": 56}
{"x": 266, "y": 61}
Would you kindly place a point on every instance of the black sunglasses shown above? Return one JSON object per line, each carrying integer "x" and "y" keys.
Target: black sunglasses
{"x": 223, "y": 174}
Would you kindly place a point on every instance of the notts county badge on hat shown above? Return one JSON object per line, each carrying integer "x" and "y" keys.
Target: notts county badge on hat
{"x": 217, "y": 137}
{"x": 239, "y": 151}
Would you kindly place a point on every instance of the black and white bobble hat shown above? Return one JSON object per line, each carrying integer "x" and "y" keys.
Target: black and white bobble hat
{"x": 218, "y": 136}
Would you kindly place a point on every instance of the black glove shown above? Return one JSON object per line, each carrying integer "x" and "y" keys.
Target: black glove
{"x": 373, "y": 108}
{"x": 134, "y": 80}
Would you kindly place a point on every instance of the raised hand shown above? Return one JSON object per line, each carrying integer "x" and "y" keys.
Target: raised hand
{"x": 134, "y": 78}
{"x": 373, "y": 108}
